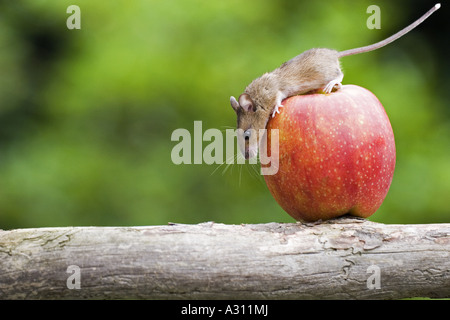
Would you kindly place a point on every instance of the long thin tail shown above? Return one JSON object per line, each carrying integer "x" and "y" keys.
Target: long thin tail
{"x": 391, "y": 38}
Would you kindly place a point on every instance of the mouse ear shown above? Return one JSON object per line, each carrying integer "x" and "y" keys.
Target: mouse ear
{"x": 246, "y": 102}
{"x": 234, "y": 104}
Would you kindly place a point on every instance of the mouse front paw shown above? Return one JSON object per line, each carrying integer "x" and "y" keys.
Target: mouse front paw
{"x": 276, "y": 109}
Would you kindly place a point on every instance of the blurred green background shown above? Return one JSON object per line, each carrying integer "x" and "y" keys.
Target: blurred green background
{"x": 86, "y": 116}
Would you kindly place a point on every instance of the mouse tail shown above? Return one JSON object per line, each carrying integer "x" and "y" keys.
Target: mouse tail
{"x": 391, "y": 38}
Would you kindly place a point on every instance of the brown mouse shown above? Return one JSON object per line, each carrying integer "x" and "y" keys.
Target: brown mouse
{"x": 311, "y": 70}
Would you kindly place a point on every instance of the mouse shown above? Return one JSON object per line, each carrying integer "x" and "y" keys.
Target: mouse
{"x": 312, "y": 70}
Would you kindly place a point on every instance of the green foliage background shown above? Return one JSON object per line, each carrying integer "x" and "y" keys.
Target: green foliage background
{"x": 86, "y": 116}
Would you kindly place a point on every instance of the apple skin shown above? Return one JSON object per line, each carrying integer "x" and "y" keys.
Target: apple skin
{"x": 336, "y": 154}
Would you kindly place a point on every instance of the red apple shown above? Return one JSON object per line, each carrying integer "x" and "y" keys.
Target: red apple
{"x": 336, "y": 154}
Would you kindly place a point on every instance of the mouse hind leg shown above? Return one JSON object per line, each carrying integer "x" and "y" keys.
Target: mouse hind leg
{"x": 334, "y": 83}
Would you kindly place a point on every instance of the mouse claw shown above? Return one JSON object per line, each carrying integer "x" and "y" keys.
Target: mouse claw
{"x": 276, "y": 110}
{"x": 333, "y": 84}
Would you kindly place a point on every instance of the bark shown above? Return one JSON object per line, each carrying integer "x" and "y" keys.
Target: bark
{"x": 346, "y": 258}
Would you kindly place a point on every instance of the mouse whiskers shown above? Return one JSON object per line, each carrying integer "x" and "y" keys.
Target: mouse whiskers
{"x": 225, "y": 165}
{"x": 238, "y": 160}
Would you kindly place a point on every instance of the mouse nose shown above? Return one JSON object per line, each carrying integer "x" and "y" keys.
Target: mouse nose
{"x": 247, "y": 134}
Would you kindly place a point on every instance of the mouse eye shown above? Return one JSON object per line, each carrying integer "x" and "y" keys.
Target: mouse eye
{"x": 247, "y": 134}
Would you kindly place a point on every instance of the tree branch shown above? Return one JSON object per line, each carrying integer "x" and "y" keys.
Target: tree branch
{"x": 342, "y": 258}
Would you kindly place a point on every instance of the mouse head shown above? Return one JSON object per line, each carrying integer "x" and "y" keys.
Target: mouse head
{"x": 250, "y": 119}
